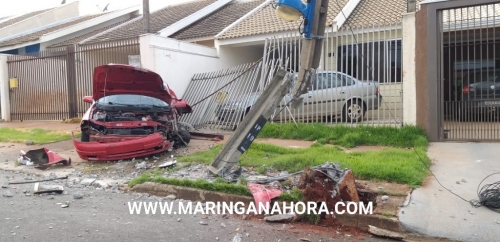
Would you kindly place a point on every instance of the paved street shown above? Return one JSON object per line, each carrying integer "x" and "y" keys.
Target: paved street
{"x": 104, "y": 216}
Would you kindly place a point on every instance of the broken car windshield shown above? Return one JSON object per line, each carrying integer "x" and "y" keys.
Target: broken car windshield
{"x": 132, "y": 100}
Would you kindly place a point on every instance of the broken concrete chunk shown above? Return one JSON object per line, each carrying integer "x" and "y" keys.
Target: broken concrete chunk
{"x": 30, "y": 142}
{"x": 142, "y": 165}
{"x": 78, "y": 195}
{"x": 101, "y": 184}
{"x": 87, "y": 181}
{"x": 203, "y": 223}
{"x": 237, "y": 238}
{"x": 41, "y": 188}
{"x": 167, "y": 164}
{"x": 280, "y": 218}
{"x": 7, "y": 194}
{"x": 385, "y": 198}
{"x": 385, "y": 233}
{"x": 171, "y": 197}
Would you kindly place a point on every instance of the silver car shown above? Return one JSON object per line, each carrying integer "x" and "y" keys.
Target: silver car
{"x": 332, "y": 94}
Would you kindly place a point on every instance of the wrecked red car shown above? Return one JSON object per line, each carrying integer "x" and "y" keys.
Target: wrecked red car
{"x": 133, "y": 113}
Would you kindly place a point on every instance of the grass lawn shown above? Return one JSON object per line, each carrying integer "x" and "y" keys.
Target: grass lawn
{"x": 400, "y": 164}
{"x": 38, "y": 136}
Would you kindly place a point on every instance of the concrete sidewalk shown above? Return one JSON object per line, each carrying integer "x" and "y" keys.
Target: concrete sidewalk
{"x": 433, "y": 211}
{"x": 50, "y": 125}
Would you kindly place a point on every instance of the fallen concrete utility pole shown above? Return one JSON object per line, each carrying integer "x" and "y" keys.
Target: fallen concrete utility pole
{"x": 252, "y": 124}
{"x": 314, "y": 13}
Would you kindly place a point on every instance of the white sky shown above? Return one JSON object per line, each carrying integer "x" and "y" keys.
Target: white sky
{"x": 16, "y": 7}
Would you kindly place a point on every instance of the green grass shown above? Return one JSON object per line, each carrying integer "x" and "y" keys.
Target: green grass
{"x": 38, "y": 136}
{"x": 217, "y": 186}
{"x": 349, "y": 137}
{"x": 397, "y": 164}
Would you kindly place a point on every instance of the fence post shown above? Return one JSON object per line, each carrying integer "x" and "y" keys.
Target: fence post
{"x": 409, "y": 74}
{"x": 4, "y": 89}
{"x": 71, "y": 79}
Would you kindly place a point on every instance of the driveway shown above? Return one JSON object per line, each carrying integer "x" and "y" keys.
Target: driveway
{"x": 436, "y": 212}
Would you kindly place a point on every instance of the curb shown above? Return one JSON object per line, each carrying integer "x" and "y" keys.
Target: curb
{"x": 193, "y": 194}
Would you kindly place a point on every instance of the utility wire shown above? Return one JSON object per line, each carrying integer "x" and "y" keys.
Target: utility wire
{"x": 489, "y": 195}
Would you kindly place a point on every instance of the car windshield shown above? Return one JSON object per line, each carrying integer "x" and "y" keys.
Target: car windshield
{"x": 132, "y": 100}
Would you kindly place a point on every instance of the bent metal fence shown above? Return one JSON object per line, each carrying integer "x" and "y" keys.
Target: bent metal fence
{"x": 52, "y": 83}
{"x": 359, "y": 81}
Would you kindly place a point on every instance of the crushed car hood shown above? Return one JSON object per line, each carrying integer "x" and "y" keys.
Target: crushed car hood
{"x": 115, "y": 79}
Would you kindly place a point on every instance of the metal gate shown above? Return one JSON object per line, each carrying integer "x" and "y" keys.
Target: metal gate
{"x": 469, "y": 40}
{"x": 53, "y": 82}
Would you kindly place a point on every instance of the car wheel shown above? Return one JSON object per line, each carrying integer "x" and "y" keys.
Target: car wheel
{"x": 354, "y": 110}
{"x": 184, "y": 134}
{"x": 85, "y": 137}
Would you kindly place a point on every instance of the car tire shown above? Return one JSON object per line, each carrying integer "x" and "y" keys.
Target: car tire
{"x": 184, "y": 133}
{"x": 354, "y": 111}
{"x": 85, "y": 137}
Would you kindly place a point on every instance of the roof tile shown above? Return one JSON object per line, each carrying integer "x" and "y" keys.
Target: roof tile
{"x": 158, "y": 20}
{"x": 266, "y": 21}
{"x": 36, "y": 35}
{"x": 377, "y": 12}
{"x": 21, "y": 18}
{"x": 217, "y": 21}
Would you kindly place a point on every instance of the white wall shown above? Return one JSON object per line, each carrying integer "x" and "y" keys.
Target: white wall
{"x": 4, "y": 88}
{"x": 409, "y": 78}
{"x": 177, "y": 61}
{"x": 58, "y": 14}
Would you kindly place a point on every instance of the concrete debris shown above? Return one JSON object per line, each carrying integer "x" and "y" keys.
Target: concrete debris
{"x": 42, "y": 188}
{"x": 458, "y": 182}
{"x": 385, "y": 198}
{"x": 7, "y": 194}
{"x": 168, "y": 164}
{"x": 30, "y": 142}
{"x": 223, "y": 225}
{"x": 179, "y": 219}
{"x": 142, "y": 165}
{"x": 305, "y": 239}
{"x": 87, "y": 181}
{"x": 78, "y": 195}
{"x": 463, "y": 180}
{"x": 51, "y": 197}
{"x": 280, "y": 218}
{"x": 101, "y": 184}
{"x": 203, "y": 223}
{"x": 237, "y": 238}
{"x": 4, "y": 186}
{"x": 171, "y": 197}
{"x": 385, "y": 233}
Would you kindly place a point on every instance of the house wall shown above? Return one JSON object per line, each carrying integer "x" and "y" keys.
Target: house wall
{"x": 177, "y": 61}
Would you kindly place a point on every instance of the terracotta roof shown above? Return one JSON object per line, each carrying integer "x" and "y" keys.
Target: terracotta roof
{"x": 36, "y": 35}
{"x": 158, "y": 20}
{"x": 377, "y": 12}
{"x": 217, "y": 21}
{"x": 83, "y": 37}
{"x": 266, "y": 21}
{"x": 21, "y": 18}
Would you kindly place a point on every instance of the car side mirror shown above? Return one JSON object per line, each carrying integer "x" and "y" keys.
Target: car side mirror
{"x": 88, "y": 99}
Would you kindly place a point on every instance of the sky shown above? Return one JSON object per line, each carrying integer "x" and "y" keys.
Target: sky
{"x": 17, "y": 7}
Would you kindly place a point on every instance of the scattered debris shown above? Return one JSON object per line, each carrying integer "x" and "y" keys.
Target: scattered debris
{"x": 171, "y": 197}
{"x": 305, "y": 239}
{"x": 88, "y": 181}
{"x": 169, "y": 163}
{"x": 101, "y": 184}
{"x": 237, "y": 238}
{"x": 280, "y": 218}
{"x": 385, "y": 233}
{"x": 385, "y": 198}
{"x": 179, "y": 219}
{"x": 263, "y": 194}
{"x": 42, "y": 158}
{"x": 223, "y": 225}
{"x": 78, "y": 195}
{"x": 40, "y": 188}
{"x": 463, "y": 180}
{"x": 30, "y": 142}
{"x": 51, "y": 178}
{"x": 458, "y": 182}
{"x": 142, "y": 165}
{"x": 7, "y": 194}
{"x": 203, "y": 223}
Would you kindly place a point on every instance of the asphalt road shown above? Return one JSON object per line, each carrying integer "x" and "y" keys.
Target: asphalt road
{"x": 104, "y": 216}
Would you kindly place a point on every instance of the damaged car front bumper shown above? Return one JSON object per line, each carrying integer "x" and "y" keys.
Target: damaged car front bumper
{"x": 112, "y": 148}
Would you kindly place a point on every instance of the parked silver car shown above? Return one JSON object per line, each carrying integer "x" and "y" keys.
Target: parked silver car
{"x": 332, "y": 94}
